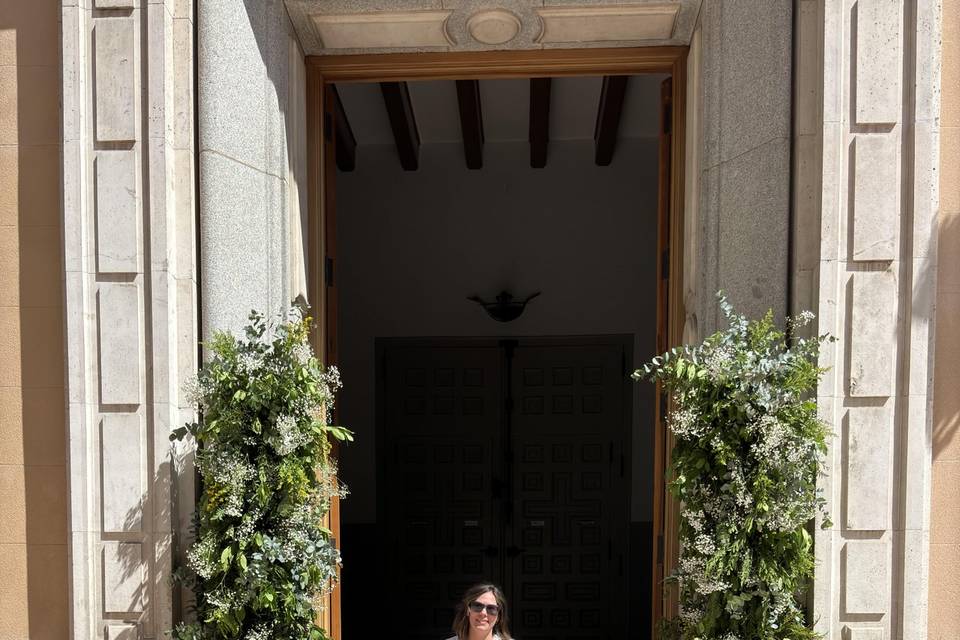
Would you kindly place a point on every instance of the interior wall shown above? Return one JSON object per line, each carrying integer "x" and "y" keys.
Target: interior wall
{"x": 413, "y": 245}
{"x": 33, "y": 473}
{"x": 944, "y": 621}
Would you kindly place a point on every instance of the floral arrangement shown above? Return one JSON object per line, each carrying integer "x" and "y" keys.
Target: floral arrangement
{"x": 748, "y": 446}
{"x": 262, "y": 558}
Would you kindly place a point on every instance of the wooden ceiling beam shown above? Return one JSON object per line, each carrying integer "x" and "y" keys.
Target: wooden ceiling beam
{"x": 346, "y": 142}
{"x": 471, "y": 122}
{"x": 539, "y": 121}
{"x": 396, "y": 97}
{"x": 608, "y": 118}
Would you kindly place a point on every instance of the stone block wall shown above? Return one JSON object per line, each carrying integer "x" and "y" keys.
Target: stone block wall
{"x": 945, "y": 499}
{"x": 33, "y": 471}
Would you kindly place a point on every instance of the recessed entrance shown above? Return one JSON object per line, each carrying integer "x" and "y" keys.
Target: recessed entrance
{"x": 508, "y": 460}
{"x": 518, "y": 453}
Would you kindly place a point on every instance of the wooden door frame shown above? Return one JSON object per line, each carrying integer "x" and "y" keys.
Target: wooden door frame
{"x": 324, "y": 70}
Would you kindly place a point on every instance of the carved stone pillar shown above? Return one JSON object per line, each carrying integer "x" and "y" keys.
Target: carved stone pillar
{"x": 866, "y": 176}
{"x": 130, "y": 302}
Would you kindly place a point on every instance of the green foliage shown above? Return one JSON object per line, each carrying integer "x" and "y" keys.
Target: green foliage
{"x": 262, "y": 558}
{"x": 748, "y": 445}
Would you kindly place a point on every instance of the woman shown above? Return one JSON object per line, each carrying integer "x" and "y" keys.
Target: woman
{"x": 481, "y": 615}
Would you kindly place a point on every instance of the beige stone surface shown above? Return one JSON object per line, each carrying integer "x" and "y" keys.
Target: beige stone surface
{"x": 8, "y": 105}
{"x": 944, "y": 591}
{"x": 10, "y": 347}
{"x": 46, "y": 499}
{"x": 33, "y": 28}
{"x": 8, "y": 47}
{"x": 867, "y": 474}
{"x": 11, "y": 428}
{"x": 950, "y": 76}
{"x": 44, "y": 433}
{"x": 945, "y": 518}
{"x": 9, "y": 157}
{"x": 379, "y": 30}
{"x": 42, "y": 334}
{"x": 13, "y": 504}
{"x": 866, "y": 587}
{"x": 949, "y": 255}
{"x": 47, "y": 591}
{"x": 33, "y": 485}
{"x": 944, "y": 581}
{"x": 876, "y": 196}
{"x": 115, "y": 61}
{"x": 39, "y": 186}
{"x": 14, "y": 603}
{"x": 605, "y": 24}
{"x": 38, "y": 86}
{"x": 878, "y": 60}
{"x": 39, "y": 267}
{"x": 9, "y": 267}
{"x": 950, "y": 166}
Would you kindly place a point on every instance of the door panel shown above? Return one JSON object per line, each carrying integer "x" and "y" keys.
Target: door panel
{"x": 442, "y": 411}
{"x": 572, "y": 512}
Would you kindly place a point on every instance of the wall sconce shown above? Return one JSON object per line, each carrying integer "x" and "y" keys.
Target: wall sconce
{"x": 505, "y": 308}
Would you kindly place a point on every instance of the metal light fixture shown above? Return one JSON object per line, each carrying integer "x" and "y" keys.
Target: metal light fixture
{"x": 505, "y": 308}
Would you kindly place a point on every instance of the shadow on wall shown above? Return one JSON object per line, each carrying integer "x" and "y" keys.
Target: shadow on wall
{"x": 946, "y": 402}
{"x": 127, "y": 562}
{"x": 33, "y": 499}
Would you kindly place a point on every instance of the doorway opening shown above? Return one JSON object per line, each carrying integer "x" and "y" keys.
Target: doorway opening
{"x": 518, "y": 453}
{"x": 509, "y": 461}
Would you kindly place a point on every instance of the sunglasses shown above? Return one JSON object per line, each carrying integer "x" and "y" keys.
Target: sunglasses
{"x": 492, "y": 610}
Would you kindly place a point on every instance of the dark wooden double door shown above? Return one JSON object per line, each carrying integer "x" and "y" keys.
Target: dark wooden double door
{"x": 507, "y": 461}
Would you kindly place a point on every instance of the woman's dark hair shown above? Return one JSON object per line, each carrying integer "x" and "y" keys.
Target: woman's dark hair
{"x": 461, "y": 619}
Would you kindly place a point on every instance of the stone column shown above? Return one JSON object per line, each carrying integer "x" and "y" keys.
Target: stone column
{"x": 128, "y": 229}
{"x": 248, "y": 56}
{"x": 868, "y": 97}
{"x": 743, "y": 166}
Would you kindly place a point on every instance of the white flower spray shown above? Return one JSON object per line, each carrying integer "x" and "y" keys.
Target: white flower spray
{"x": 748, "y": 446}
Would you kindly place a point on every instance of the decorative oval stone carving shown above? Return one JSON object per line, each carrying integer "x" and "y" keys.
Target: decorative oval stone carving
{"x": 495, "y": 26}
{"x": 484, "y": 25}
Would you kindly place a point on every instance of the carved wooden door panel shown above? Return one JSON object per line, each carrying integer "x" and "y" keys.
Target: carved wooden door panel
{"x": 570, "y": 445}
{"x": 441, "y": 457}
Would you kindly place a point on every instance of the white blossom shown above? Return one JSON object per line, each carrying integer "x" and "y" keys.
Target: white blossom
{"x": 289, "y": 436}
